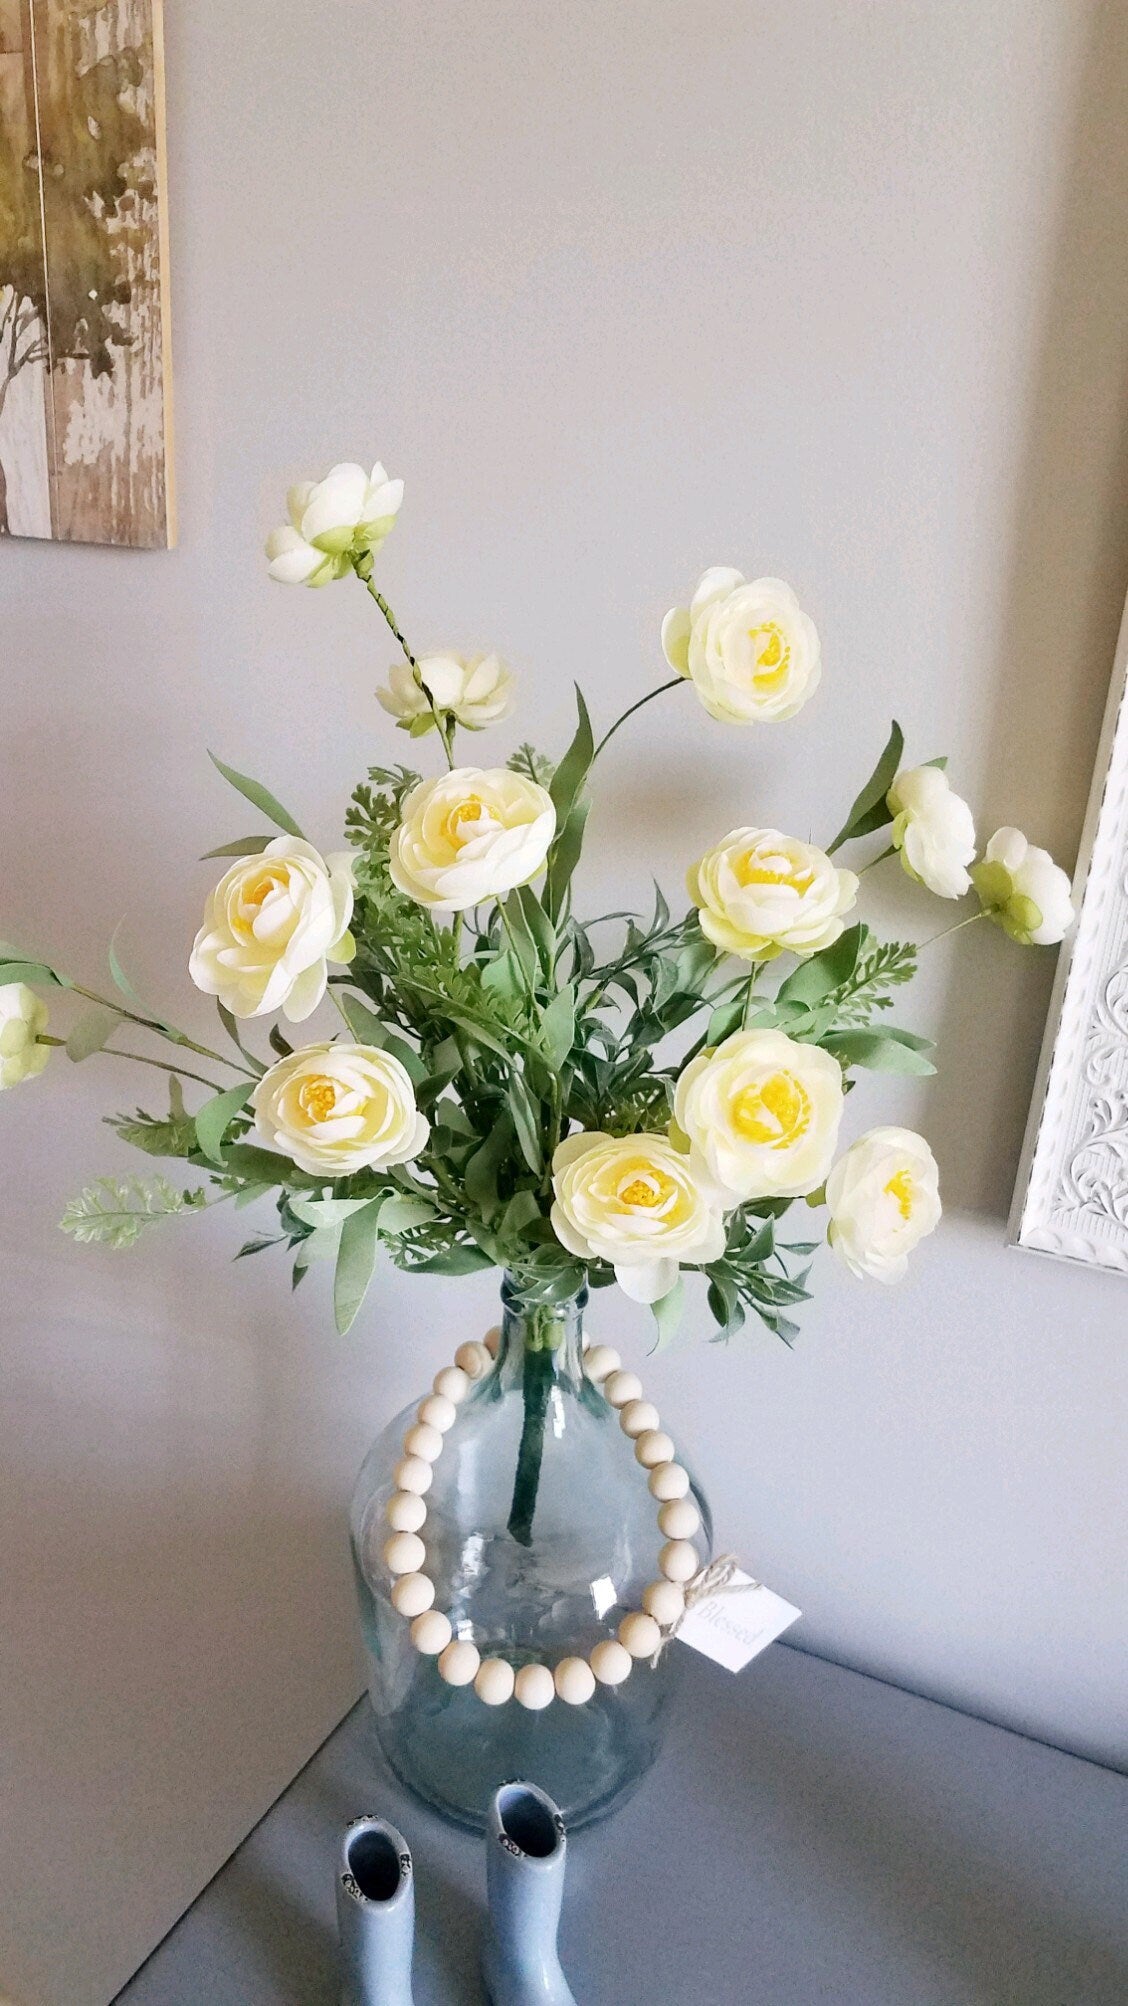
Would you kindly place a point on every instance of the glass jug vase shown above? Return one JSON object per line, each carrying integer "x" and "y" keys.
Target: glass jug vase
{"x": 541, "y": 1534}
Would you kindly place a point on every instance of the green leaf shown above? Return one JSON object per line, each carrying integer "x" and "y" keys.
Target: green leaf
{"x": 571, "y": 773}
{"x": 454, "y": 1261}
{"x": 525, "y": 1122}
{"x": 520, "y": 1213}
{"x": 880, "y": 1051}
{"x": 318, "y": 1212}
{"x": 814, "y": 979}
{"x": 558, "y": 1026}
{"x": 231, "y": 1026}
{"x": 259, "y": 1245}
{"x": 243, "y": 846}
{"x": 278, "y": 1043}
{"x": 367, "y": 1029}
{"x": 263, "y": 1166}
{"x": 254, "y": 792}
{"x": 91, "y": 1032}
{"x": 726, "y": 1018}
{"x": 870, "y": 811}
{"x": 521, "y": 939}
{"x": 479, "y": 1179}
{"x": 539, "y": 926}
{"x": 35, "y": 973}
{"x": 114, "y": 1211}
{"x": 565, "y": 855}
{"x": 216, "y": 1116}
{"x": 403, "y": 1214}
{"x": 356, "y": 1260}
{"x": 668, "y": 1315}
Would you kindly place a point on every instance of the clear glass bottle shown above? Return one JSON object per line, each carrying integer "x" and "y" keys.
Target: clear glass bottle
{"x": 541, "y": 1533}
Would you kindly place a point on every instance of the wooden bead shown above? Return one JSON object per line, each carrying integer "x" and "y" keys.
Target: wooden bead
{"x": 404, "y": 1553}
{"x": 664, "y": 1601}
{"x": 639, "y": 1634}
{"x": 431, "y": 1633}
{"x": 638, "y": 1417}
{"x": 495, "y": 1681}
{"x": 452, "y": 1383}
{"x": 412, "y": 1594}
{"x": 679, "y": 1518}
{"x": 679, "y": 1560}
{"x": 534, "y": 1687}
{"x": 436, "y": 1411}
{"x": 413, "y": 1474}
{"x": 574, "y": 1681}
{"x": 423, "y": 1441}
{"x": 473, "y": 1360}
{"x": 458, "y": 1664}
{"x": 669, "y": 1480}
{"x": 600, "y": 1361}
{"x": 492, "y": 1339}
{"x": 405, "y": 1511}
{"x": 653, "y": 1448}
{"x": 619, "y": 1387}
{"x": 611, "y": 1662}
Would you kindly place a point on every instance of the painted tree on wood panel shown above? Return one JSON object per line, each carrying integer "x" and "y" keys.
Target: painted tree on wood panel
{"x": 83, "y": 191}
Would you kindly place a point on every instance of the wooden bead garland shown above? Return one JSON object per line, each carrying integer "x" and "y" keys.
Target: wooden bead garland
{"x": 413, "y": 1592}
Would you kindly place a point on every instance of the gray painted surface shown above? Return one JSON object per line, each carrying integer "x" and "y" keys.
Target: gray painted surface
{"x": 835, "y": 292}
{"x": 810, "y": 1836}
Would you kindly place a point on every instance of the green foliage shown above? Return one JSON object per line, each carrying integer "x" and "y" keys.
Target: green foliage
{"x": 517, "y": 1023}
{"x": 871, "y": 810}
{"x": 115, "y": 1211}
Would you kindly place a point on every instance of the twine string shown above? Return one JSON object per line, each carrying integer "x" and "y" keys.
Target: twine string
{"x": 715, "y": 1579}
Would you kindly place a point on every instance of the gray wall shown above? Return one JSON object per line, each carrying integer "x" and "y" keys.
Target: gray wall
{"x": 837, "y": 292}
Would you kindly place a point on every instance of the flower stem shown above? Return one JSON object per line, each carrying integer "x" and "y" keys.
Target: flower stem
{"x": 168, "y": 1031}
{"x": 536, "y": 1384}
{"x": 674, "y": 683}
{"x": 181, "y": 1072}
{"x": 366, "y": 579}
{"x": 957, "y": 927}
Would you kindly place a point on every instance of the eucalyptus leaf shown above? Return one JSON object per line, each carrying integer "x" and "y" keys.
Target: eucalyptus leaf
{"x": 259, "y": 797}
{"x": 92, "y": 1032}
{"x": 879, "y": 1051}
{"x": 243, "y": 846}
{"x": 668, "y": 1315}
{"x": 525, "y": 1122}
{"x": 572, "y": 771}
{"x": 318, "y": 1212}
{"x": 356, "y": 1260}
{"x": 36, "y": 974}
{"x": 558, "y": 1026}
{"x": 215, "y": 1117}
{"x": 400, "y": 1215}
{"x": 814, "y": 979}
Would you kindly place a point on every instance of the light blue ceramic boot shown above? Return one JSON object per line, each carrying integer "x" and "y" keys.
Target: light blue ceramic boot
{"x": 525, "y": 1850}
{"x": 375, "y": 1915}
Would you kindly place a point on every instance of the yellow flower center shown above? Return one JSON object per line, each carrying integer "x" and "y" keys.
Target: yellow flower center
{"x": 777, "y": 1111}
{"x": 318, "y": 1098}
{"x": 649, "y": 1190}
{"x": 259, "y": 889}
{"x": 469, "y": 812}
{"x": 901, "y": 1187}
{"x": 774, "y": 658}
{"x": 751, "y": 869}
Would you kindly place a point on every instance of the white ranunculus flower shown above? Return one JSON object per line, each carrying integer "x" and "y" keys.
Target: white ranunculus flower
{"x": 761, "y": 1115}
{"x": 635, "y": 1202}
{"x": 758, "y": 892}
{"x": 338, "y": 1108}
{"x": 331, "y": 522}
{"x": 933, "y": 829}
{"x": 476, "y": 690}
{"x": 749, "y": 648}
{"x": 883, "y": 1196}
{"x": 23, "y": 1020}
{"x": 1023, "y": 890}
{"x": 270, "y": 926}
{"x": 472, "y": 834}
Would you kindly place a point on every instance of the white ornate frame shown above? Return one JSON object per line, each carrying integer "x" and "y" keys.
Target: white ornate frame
{"x": 1072, "y": 1193}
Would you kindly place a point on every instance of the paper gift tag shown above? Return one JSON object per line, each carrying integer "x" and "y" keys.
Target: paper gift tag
{"x": 733, "y": 1627}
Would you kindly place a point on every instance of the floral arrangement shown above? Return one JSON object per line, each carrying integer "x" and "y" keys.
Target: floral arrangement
{"x": 510, "y": 1084}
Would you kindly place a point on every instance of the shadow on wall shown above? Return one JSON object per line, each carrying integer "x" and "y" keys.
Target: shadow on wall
{"x": 1062, "y": 595}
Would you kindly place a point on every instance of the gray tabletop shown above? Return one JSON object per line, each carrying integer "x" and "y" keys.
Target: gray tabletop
{"x": 810, "y": 1835}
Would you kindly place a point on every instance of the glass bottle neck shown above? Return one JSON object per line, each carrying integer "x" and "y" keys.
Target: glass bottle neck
{"x": 550, "y": 1333}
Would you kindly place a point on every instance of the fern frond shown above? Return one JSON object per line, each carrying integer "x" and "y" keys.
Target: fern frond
{"x": 114, "y": 1211}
